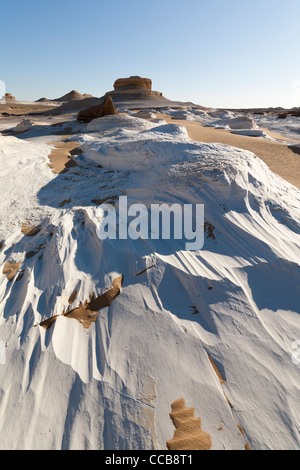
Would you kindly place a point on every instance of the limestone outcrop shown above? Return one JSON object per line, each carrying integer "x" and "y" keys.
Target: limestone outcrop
{"x": 73, "y": 95}
{"x": 134, "y": 87}
{"x": 133, "y": 93}
{"x": 9, "y": 97}
{"x": 133, "y": 82}
{"x": 188, "y": 434}
{"x": 100, "y": 110}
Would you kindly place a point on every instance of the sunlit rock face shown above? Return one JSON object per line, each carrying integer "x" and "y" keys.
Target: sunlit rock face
{"x": 133, "y": 81}
{"x": 134, "y": 85}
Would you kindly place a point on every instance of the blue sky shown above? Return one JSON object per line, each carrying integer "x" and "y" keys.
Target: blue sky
{"x": 221, "y": 53}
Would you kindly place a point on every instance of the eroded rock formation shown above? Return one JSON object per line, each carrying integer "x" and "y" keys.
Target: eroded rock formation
{"x": 188, "y": 433}
{"x": 9, "y": 97}
{"x": 100, "y": 110}
{"x": 133, "y": 87}
{"x": 133, "y": 81}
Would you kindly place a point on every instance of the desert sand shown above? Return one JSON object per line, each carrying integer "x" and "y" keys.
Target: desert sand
{"x": 22, "y": 109}
{"x": 279, "y": 157}
{"x": 87, "y": 313}
{"x": 60, "y": 156}
{"x": 188, "y": 434}
{"x": 29, "y": 230}
{"x": 214, "y": 326}
{"x": 10, "y": 270}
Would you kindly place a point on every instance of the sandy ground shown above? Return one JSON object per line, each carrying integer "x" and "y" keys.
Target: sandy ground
{"x": 87, "y": 313}
{"x": 188, "y": 433}
{"x": 15, "y": 108}
{"x": 60, "y": 156}
{"x": 280, "y": 159}
{"x": 10, "y": 270}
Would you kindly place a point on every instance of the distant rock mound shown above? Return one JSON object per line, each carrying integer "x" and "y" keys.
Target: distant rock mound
{"x": 293, "y": 113}
{"x": 74, "y": 106}
{"x": 133, "y": 81}
{"x": 72, "y": 96}
{"x": 100, "y": 110}
{"x": 9, "y": 97}
{"x": 282, "y": 115}
{"x": 68, "y": 98}
{"x": 130, "y": 93}
{"x": 134, "y": 87}
{"x": 42, "y": 100}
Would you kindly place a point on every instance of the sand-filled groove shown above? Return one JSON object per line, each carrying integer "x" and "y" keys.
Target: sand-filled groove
{"x": 87, "y": 313}
{"x": 188, "y": 434}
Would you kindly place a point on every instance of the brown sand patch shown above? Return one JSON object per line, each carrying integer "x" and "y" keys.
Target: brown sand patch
{"x": 216, "y": 369}
{"x": 87, "y": 313}
{"x": 247, "y": 445}
{"x": 60, "y": 157}
{"x": 229, "y": 402}
{"x": 278, "y": 156}
{"x": 46, "y": 324}
{"x": 72, "y": 297}
{"x": 222, "y": 381}
{"x": 20, "y": 109}
{"x": 30, "y": 230}
{"x": 188, "y": 434}
{"x": 10, "y": 270}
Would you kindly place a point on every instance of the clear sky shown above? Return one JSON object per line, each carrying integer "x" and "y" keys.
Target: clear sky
{"x": 220, "y": 53}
